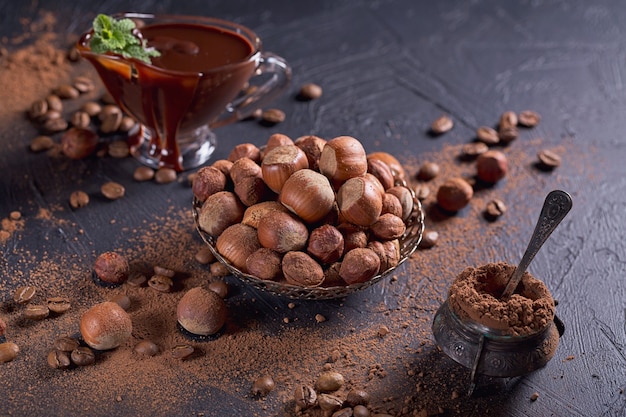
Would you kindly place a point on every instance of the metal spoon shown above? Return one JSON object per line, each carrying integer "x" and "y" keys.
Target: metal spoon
{"x": 556, "y": 206}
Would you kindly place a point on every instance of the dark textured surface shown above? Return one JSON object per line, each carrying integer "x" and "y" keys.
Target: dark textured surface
{"x": 388, "y": 68}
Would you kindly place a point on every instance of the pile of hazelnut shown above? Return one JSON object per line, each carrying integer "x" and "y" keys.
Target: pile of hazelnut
{"x": 307, "y": 212}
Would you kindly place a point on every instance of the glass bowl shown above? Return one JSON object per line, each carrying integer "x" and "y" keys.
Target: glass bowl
{"x": 408, "y": 244}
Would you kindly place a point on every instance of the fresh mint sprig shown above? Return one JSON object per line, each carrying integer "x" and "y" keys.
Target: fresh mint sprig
{"x": 117, "y": 36}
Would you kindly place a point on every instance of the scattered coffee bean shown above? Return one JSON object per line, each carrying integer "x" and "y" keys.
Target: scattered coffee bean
{"x": 357, "y": 397}
{"x": 273, "y": 116}
{"x": 218, "y": 269}
{"x": 345, "y": 412}
{"x": 329, "y": 381}
{"x": 38, "y": 109}
{"x": 66, "y": 91}
{"x": 182, "y": 351}
{"x": 329, "y": 403}
{"x": 15, "y": 215}
{"x": 494, "y": 209}
{"x": 472, "y": 150}
{"x": 548, "y": 159}
{"x": 83, "y": 356}
{"x": 118, "y": 149}
{"x": 160, "y": 270}
{"x": 305, "y": 397}
{"x": 36, "y": 311}
{"x": 41, "y": 143}
{"x": 58, "y": 305}
{"x": 84, "y": 84}
{"x": 112, "y": 190}
{"x": 487, "y": 135}
{"x": 79, "y": 199}
{"x": 320, "y": 318}
{"x": 58, "y": 359}
{"x": 428, "y": 171}
{"x": 422, "y": 191}
{"x": 528, "y": 118}
{"x": 137, "y": 280}
{"x": 54, "y": 103}
{"x": 382, "y": 331}
{"x": 360, "y": 411}
{"x": 127, "y": 124}
{"x": 55, "y": 125}
{"x": 263, "y": 385}
{"x": 219, "y": 287}
{"x": 24, "y": 294}
{"x": 80, "y": 119}
{"x": 161, "y": 283}
{"x": 66, "y": 344}
{"x": 204, "y": 256}
{"x": 441, "y": 125}
{"x": 147, "y": 347}
{"x": 79, "y": 143}
{"x": 508, "y": 134}
{"x": 110, "y": 118}
{"x": 8, "y": 351}
{"x": 507, "y": 119}
{"x": 122, "y": 300}
{"x": 429, "y": 239}
{"x": 143, "y": 173}
{"x": 534, "y": 396}
{"x": 310, "y": 91}
{"x": 92, "y": 108}
{"x": 165, "y": 175}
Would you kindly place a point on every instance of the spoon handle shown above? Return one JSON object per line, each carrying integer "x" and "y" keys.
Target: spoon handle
{"x": 556, "y": 206}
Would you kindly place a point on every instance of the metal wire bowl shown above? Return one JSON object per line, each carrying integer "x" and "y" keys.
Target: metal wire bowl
{"x": 408, "y": 244}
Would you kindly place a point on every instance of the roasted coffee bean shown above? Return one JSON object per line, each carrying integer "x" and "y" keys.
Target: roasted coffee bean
{"x": 329, "y": 381}
{"x": 36, "y": 311}
{"x": 219, "y": 287}
{"x": 41, "y": 143}
{"x": 127, "y": 124}
{"x": 507, "y": 119}
{"x": 161, "y": 283}
{"x": 66, "y": 91}
{"x": 182, "y": 351}
{"x": 472, "y": 150}
{"x": 55, "y": 125}
{"x": 58, "y": 359}
{"x": 147, "y": 347}
{"x": 441, "y": 125}
{"x": 165, "y": 175}
{"x": 429, "y": 239}
{"x": 329, "y": 403}
{"x": 204, "y": 256}
{"x": 24, "y": 294}
{"x": 528, "y": 118}
{"x": 548, "y": 159}
{"x": 357, "y": 397}
{"x": 422, "y": 191}
{"x": 38, "y": 109}
{"x": 84, "y": 84}
{"x": 83, "y": 356}
{"x": 305, "y": 397}
{"x": 137, "y": 280}
{"x": 273, "y": 116}
{"x": 263, "y": 385}
{"x": 344, "y": 412}
{"x": 361, "y": 411}
{"x": 160, "y": 270}
{"x": 79, "y": 199}
{"x": 487, "y": 135}
{"x": 428, "y": 171}
{"x": 66, "y": 344}
{"x": 112, "y": 190}
{"x": 310, "y": 91}
{"x": 494, "y": 209}
{"x": 80, "y": 119}
{"x": 51, "y": 114}
{"x": 54, "y": 103}
{"x": 508, "y": 134}
{"x": 122, "y": 300}
{"x": 92, "y": 108}
{"x": 143, "y": 173}
{"x": 118, "y": 149}
{"x": 218, "y": 269}
{"x": 110, "y": 118}
{"x": 58, "y": 305}
{"x": 8, "y": 351}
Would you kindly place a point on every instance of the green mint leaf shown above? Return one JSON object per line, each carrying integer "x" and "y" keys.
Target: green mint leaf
{"x": 118, "y": 37}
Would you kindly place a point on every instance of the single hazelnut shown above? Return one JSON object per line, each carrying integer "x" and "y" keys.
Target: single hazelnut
{"x": 388, "y": 227}
{"x": 359, "y": 265}
{"x": 391, "y": 204}
{"x": 280, "y": 163}
{"x": 219, "y": 211}
{"x": 236, "y": 243}
{"x": 329, "y": 381}
{"x": 491, "y": 166}
{"x": 242, "y": 168}
{"x": 252, "y": 190}
{"x": 428, "y": 171}
{"x": 274, "y": 141}
{"x": 308, "y": 194}
{"x": 207, "y": 181}
{"x": 454, "y": 194}
{"x": 326, "y": 244}
{"x": 312, "y": 147}
{"x": 282, "y": 232}
{"x": 343, "y": 158}
{"x": 300, "y": 269}
{"x": 111, "y": 267}
{"x": 247, "y": 150}
{"x": 105, "y": 326}
{"x": 254, "y": 213}
{"x": 381, "y": 171}
{"x": 223, "y": 165}
{"x": 391, "y": 161}
{"x": 332, "y": 278}
{"x": 79, "y": 143}
{"x": 353, "y": 236}
{"x": 405, "y": 197}
{"x": 264, "y": 264}
{"x": 360, "y": 201}
{"x": 388, "y": 252}
{"x": 201, "y": 312}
